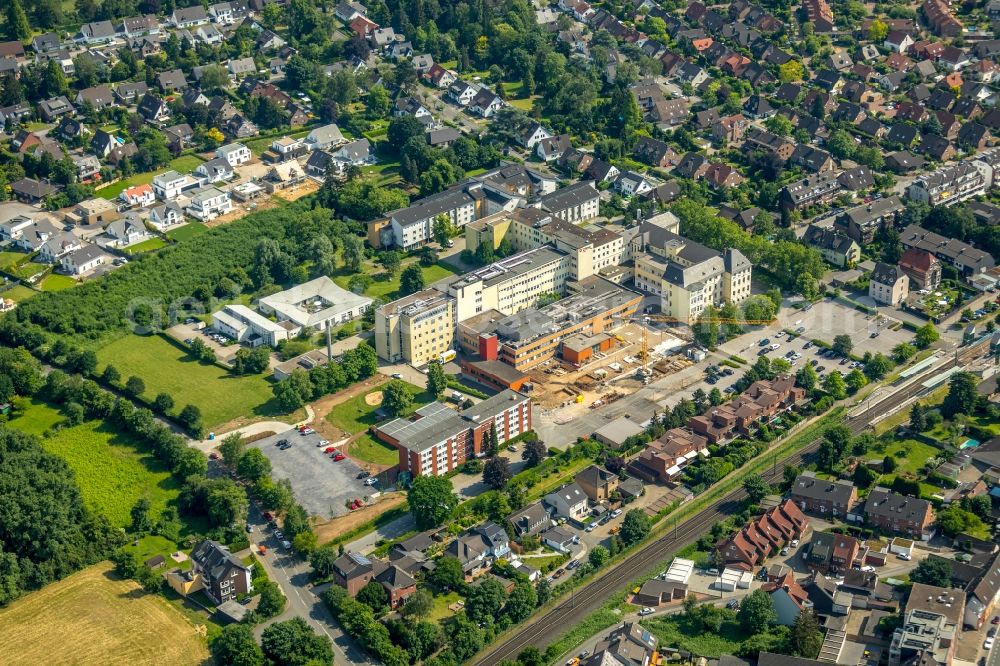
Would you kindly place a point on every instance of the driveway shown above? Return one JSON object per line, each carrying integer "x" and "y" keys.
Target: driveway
{"x": 321, "y": 485}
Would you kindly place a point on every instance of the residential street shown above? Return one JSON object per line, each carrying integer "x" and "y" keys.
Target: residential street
{"x": 292, "y": 575}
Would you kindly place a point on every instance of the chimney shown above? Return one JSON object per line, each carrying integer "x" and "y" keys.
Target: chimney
{"x": 329, "y": 344}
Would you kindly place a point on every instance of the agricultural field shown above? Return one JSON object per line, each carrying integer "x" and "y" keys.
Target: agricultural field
{"x": 187, "y": 232}
{"x": 92, "y": 617}
{"x": 361, "y": 411}
{"x": 165, "y": 367}
{"x": 111, "y": 469}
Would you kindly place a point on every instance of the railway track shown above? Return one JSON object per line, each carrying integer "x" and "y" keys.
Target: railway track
{"x": 548, "y": 627}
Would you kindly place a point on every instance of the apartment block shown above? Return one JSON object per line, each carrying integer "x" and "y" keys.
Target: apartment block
{"x": 968, "y": 260}
{"x": 861, "y": 223}
{"x": 826, "y": 498}
{"x": 414, "y": 225}
{"x": 760, "y": 403}
{"x": 576, "y": 203}
{"x": 932, "y": 625}
{"x": 439, "y": 439}
{"x": 686, "y": 275}
{"x": 417, "y": 328}
{"x": 893, "y": 512}
{"x": 950, "y": 184}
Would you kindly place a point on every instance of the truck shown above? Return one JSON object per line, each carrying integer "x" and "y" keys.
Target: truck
{"x": 447, "y": 356}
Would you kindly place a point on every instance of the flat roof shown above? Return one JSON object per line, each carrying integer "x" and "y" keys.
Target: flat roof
{"x": 248, "y": 316}
{"x": 314, "y": 302}
{"x": 509, "y": 268}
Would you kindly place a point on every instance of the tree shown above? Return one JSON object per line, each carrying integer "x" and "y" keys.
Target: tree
{"x": 396, "y": 398}
{"x": 925, "y": 336}
{"x": 272, "y": 601}
{"x": 497, "y": 472}
{"x": 447, "y": 573}
{"x": 443, "y": 228}
{"x": 855, "y": 380}
{"x": 954, "y": 520}
{"x": 534, "y": 452}
{"x": 135, "y": 387}
{"x": 484, "y": 601}
{"x": 420, "y": 604}
{"x": 141, "y": 522}
{"x": 756, "y": 612}
{"x": 806, "y": 377}
{"x": 322, "y": 560}
{"x": 878, "y": 31}
{"x": 962, "y": 396}
{"x": 842, "y": 344}
{"x": 352, "y": 253}
{"x": 431, "y": 500}
{"x": 531, "y": 656}
{"x": 635, "y": 526}
{"x": 111, "y": 376}
{"x": 932, "y": 571}
{"x": 293, "y": 642}
{"x": 375, "y": 597}
{"x": 806, "y": 636}
{"x": 599, "y": 556}
{"x": 163, "y": 402}
{"x": 834, "y": 384}
{"x": 190, "y": 419}
{"x": 779, "y": 124}
{"x": 877, "y": 366}
{"x": 864, "y": 476}
{"x": 411, "y": 281}
{"x": 918, "y": 417}
{"x": 253, "y": 465}
{"x": 791, "y": 71}
{"x": 437, "y": 382}
{"x": 18, "y": 27}
{"x": 231, "y": 449}
{"x": 521, "y": 603}
{"x": 236, "y": 646}
{"x": 903, "y": 352}
{"x": 756, "y": 487}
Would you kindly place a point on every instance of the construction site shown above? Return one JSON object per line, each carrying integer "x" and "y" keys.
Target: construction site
{"x": 641, "y": 353}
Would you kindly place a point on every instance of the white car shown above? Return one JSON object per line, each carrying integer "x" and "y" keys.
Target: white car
{"x": 646, "y": 611}
{"x": 775, "y": 346}
{"x": 287, "y": 545}
{"x": 988, "y": 645}
{"x": 371, "y": 481}
{"x": 616, "y": 513}
{"x": 795, "y": 543}
{"x": 906, "y": 557}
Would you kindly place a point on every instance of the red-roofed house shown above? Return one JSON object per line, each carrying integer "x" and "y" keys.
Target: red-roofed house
{"x": 789, "y": 598}
{"x": 362, "y": 27}
{"x": 922, "y": 267}
{"x": 764, "y": 536}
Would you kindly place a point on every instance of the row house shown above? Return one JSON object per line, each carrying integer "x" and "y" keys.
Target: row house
{"x": 893, "y": 512}
{"x": 759, "y": 404}
{"x": 664, "y": 459}
{"x": 763, "y": 536}
{"x": 942, "y": 22}
{"x": 863, "y": 222}
{"x": 353, "y": 572}
{"x": 832, "y": 553}
{"x": 819, "y": 496}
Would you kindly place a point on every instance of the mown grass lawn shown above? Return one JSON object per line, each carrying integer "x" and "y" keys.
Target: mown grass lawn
{"x": 19, "y": 293}
{"x": 356, "y": 415}
{"x": 910, "y": 455}
{"x": 388, "y": 288}
{"x": 677, "y": 632}
{"x": 112, "y": 470}
{"x": 440, "y": 610}
{"x": 9, "y": 258}
{"x": 371, "y": 450}
{"x": 187, "y": 232}
{"x": 164, "y": 366}
{"x": 146, "y": 246}
{"x": 34, "y": 417}
{"x": 54, "y": 282}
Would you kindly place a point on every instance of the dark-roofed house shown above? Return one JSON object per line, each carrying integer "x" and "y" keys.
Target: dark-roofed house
{"x": 837, "y": 248}
{"x": 99, "y": 97}
{"x": 893, "y": 512}
{"x": 888, "y": 284}
{"x": 529, "y": 521}
{"x": 827, "y": 498}
{"x": 831, "y": 552}
{"x": 597, "y": 483}
{"x": 982, "y": 598}
{"x": 862, "y": 222}
{"x": 967, "y": 259}
{"x": 172, "y": 80}
{"x": 29, "y": 190}
{"x": 224, "y": 575}
{"x": 479, "y": 547}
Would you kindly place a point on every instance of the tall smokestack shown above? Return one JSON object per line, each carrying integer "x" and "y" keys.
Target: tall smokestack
{"x": 329, "y": 344}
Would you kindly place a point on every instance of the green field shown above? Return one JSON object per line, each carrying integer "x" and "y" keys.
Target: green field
{"x": 165, "y": 367}
{"x": 54, "y": 282}
{"x": 146, "y": 246}
{"x": 677, "y": 632}
{"x": 113, "y": 473}
{"x": 387, "y": 289}
{"x": 19, "y": 293}
{"x": 371, "y": 450}
{"x": 34, "y": 417}
{"x": 182, "y": 164}
{"x": 355, "y": 415}
{"x": 9, "y": 258}
{"x": 29, "y": 269}
{"x": 914, "y": 454}
{"x": 187, "y": 232}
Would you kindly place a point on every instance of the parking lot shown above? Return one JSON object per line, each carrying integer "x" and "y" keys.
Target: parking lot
{"x": 321, "y": 485}
{"x": 828, "y": 318}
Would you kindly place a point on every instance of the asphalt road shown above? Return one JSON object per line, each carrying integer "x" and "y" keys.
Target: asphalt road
{"x": 292, "y": 575}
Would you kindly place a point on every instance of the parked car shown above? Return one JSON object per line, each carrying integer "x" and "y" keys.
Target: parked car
{"x": 590, "y": 528}
{"x": 307, "y": 431}
{"x": 397, "y": 375}
{"x": 646, "y": 611}
{"x": 262, "y": 549}
{"x": 775, "y": 346}
{"x": 733, "y": 604}
{"x": 249, "y": 528}
{"x": 573, "y": 565}
{"x": 512, "y": 448}
{"x": 807, "y": 345}
{"x": 800, "y": 330}
{"x": 278, "y": 534}
{"x": 338, "y": 456}
{"x": 282, "y": 442}
{"x": 988, "y": 644}
{"x": 763, "y": 343}
{"x": 906, "y": 557}
{"x": 616, "y": 513}
{"x": 287, "y": 545}
{"x": 371, "y": 480}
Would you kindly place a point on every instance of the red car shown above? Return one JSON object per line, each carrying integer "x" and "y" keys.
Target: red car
{"x": 329, "y": 449}
{"x": 267, "y": 516}
{"x": 338, "y": 457}
{"x": 995, "y": 620}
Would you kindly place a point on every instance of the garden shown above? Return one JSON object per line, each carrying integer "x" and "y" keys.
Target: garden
{"x": 181, "y": 164}
{"x": 942, "y": 301}
{"x": 362, "y": 411}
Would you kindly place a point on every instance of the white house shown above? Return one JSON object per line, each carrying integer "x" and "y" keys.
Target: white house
{"x": 559, "y": 538}
{"x": 321, "y": 138}
{"x": 139, "y": 195}
{"x": 631, "y": 183}
{"x": 568, "y": 502}
{"x": 208, "y": 203}
{"x": 214, "y": 171}
{"x": 234, "y": 153}
{"x": 123, "y": 232}
{"x": 167, "y": 215}
{"x": 486, "y": 103}
{"x": 12, "y": 228}
{"x": 170, "y": 185}
{"x": 83, "y": 260}
{"x": 244, "y": 325}
{"x": 32, "y": 236}
{"x": 56, "y": 246}
{"x": 462, "y": 93}
{"x": 354, "y": 153}
{"x": 532, "y": 134}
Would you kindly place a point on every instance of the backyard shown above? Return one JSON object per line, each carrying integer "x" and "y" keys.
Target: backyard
{"x": 146, "y": 246}
{"x": 187, "y": 232}
{"x": 54, "y": 282}
{"x": 182, "y": 164}
{"x": 19, "y": 293}
{"x": 677, "y": 631}
{"x": 95, "y": 617}
{"x": 165, "y": 367}
{"x": 939, "y": 302}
